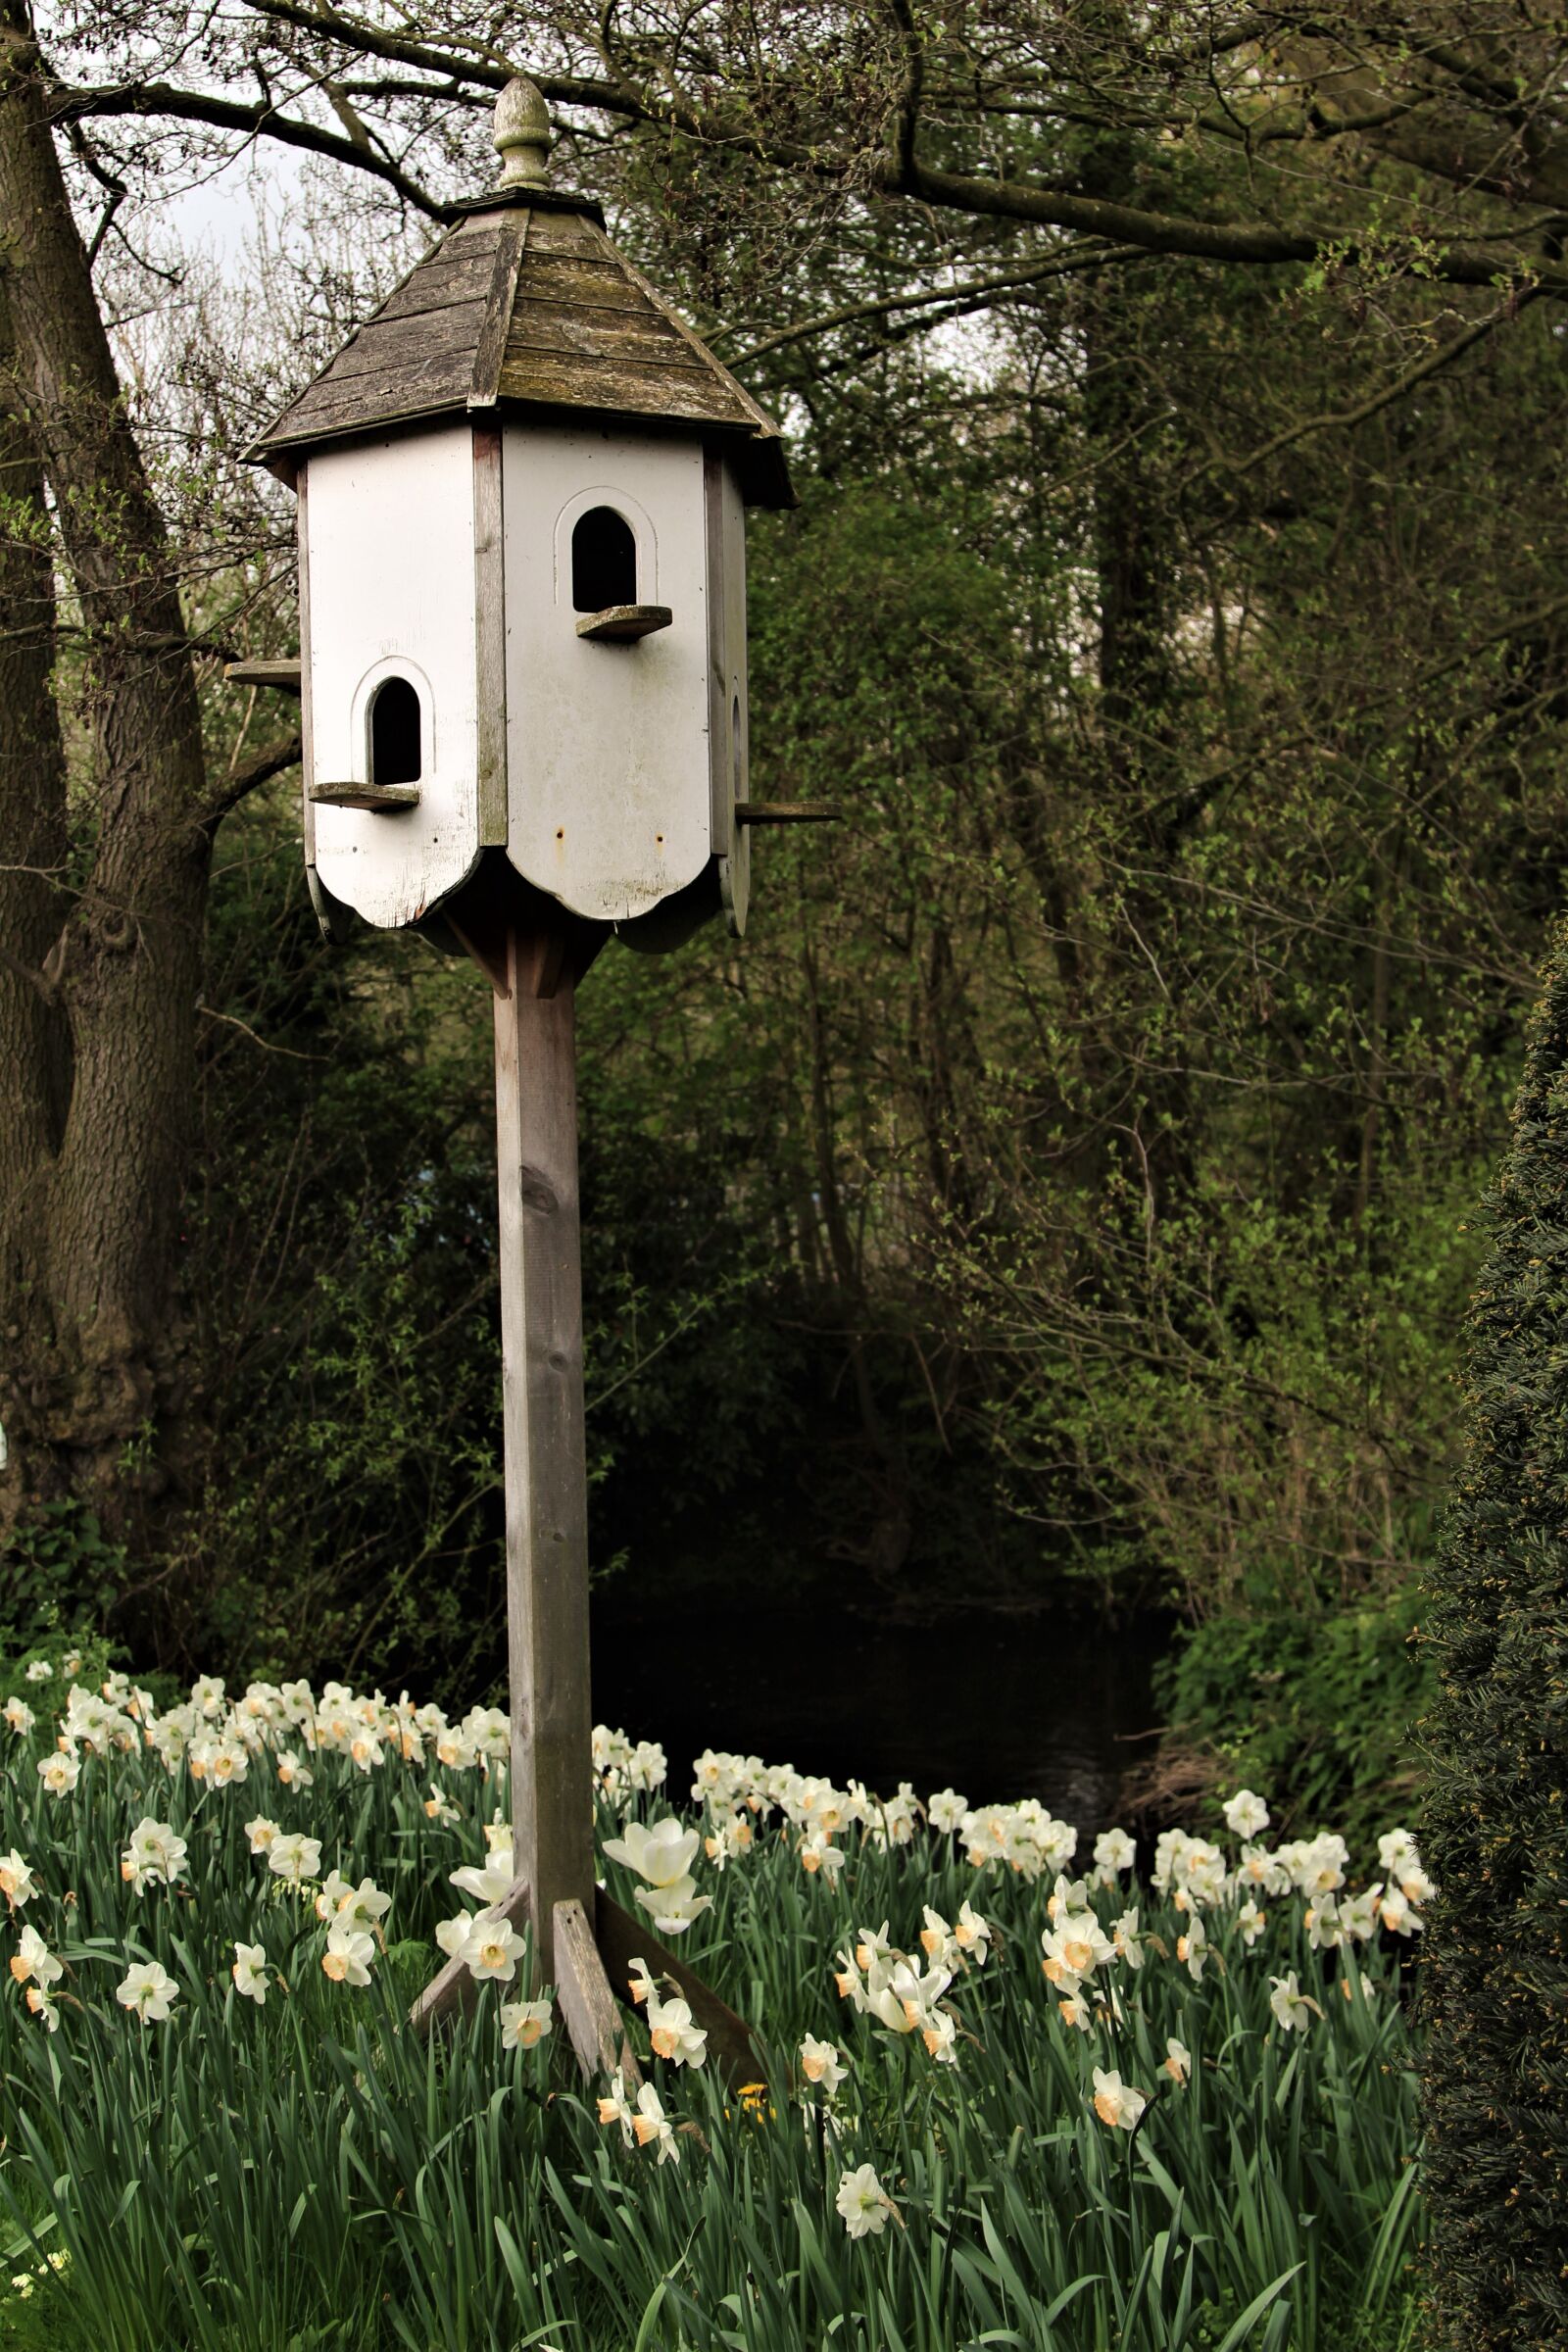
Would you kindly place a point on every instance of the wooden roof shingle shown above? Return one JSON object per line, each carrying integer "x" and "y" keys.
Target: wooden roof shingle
{"x": 526, "y": 303}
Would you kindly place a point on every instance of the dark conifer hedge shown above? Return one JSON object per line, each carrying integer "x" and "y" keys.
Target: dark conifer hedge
{"x": 1495, "y": 1970}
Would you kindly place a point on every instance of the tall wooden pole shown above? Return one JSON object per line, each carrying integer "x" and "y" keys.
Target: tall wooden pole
{"x": 542, "y": 1409}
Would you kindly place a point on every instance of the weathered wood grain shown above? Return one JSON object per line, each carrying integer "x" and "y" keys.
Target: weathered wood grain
{"x": 452, "y": 1990}
{"x": 502, "y": 294}
{"x": 283, "y": 674}
{"x": 587, "y": 2002}
{"x": 399, "y": 345}
{"x": 731, "y": 2045}
{"x": 302, "y": 492}
{"x": 622, "y": 624}
{"x": 542, "y": 1410}
{"x": 616, "y": 386}
{"x": 490, "y": 647}
{"x": 540, "y": 326}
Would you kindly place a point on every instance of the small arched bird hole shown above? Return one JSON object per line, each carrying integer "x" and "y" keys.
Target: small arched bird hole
{"x": 395, "y": 757}
{"x": 603, "y": 560}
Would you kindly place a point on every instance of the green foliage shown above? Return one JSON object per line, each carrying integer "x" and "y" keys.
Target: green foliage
{"x": 59, "y": 1575}
{"x": 1314, "y": 1706}
{"x": 1496, "y": 1976}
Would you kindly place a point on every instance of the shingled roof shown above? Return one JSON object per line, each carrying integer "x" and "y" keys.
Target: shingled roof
{"x": 527, "y": 302}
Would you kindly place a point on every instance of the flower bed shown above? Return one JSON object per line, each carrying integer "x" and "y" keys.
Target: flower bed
{"x": 1011, "y": 2094}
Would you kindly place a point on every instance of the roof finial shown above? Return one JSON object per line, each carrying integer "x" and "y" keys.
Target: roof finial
{"x": 523, "y": 135}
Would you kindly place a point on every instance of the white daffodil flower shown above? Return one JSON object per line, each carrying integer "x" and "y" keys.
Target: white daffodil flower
{"x": 1324, "y": 1928}
{"x": 292, "y": 1772}
{"x": 294, "y": 1858}
{"x": 149, "y": 1991}
{"x": 440, "y": 1808}
{"x": 819, "y": 1853}
{"x": 673, "y": 1908}
{"x": 248, "y": 1972}
{"x": 1290, "y": 2004}
{"x": 42, "y": 2004}
{"x": 946, "y": 1810}
{"x": 1074, "y": 1950}
{"x": 493, "y": 1950}
{"x": 60, "y": 1772}
{"x": 261, "y": 1832}
{"x": 1246, "y": 1815}
{"x": 348, "y": 1954}
{"x": 937, "y": 1939}
{"x": 673, "y": 2036}
{"x": 20, "y": 1717}
{"x": 1117, "y": 2103}
{"x": 1250, "y": 1922}
{"x": 363, "y": 1905}
{"x": 451, "y": 1935}
{"x": 729, "y": 1839}
{"x": 524, "y": 2023}
{"x": 17, "y": 1882}
{"x": 615, "y": 2108}
{"x": 820, "y": 2063}
{"x": 1126, "y": 1941}
{"x": 331, "y": 1892}
{"x": 642, "y": 1984}
{"x": 1178, "y": 2060}
{"x": 1397, "y": 1913}
{"x": 40, "y": 1671}
{"x": 32, "y": 1959}
{"x": 1191, "y": 1950}
{"x": 862, "y": 2202}
{"x": 662, "y": 1856}
{"x": 652, "y": 2126}
{"x": 1114, "y": 1852}
{"x": 155, "y": 1854}
{"x": 489, "y": 1882}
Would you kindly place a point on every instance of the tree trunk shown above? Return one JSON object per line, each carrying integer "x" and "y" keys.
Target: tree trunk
{"x": 95, "y": 1179}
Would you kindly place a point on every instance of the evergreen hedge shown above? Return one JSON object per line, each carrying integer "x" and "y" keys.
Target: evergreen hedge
{"x": 1494, "y": 1968}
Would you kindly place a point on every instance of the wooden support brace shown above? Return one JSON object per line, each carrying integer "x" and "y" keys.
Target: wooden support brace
{"x": 587, "y": 2005}
{"x": 621, "y": 1939}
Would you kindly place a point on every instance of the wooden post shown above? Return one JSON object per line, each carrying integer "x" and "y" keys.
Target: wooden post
{"x": 542, "y": 1408}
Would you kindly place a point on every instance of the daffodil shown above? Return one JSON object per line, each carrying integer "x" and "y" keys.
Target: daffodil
{"x": 32, "y": 1959}
{"x": 451, "y": 1935}
{"x": 248, "y": 1972}
{"x": 40, "y": 1671}
{"x": 673, "y": 2036}
{"x": 820, "y": 2063}
{"x": 1117, "y": 2103}
{"x": 18, "y": 1716}
{"x": 615, "y": 2107}
{"x": 294, "y": 1858}
{"x": 1126, "y": 1941}
{"x": 17, "y": 1882}
{"x": 490, "y": 1882}
{"x": 1114, "y": 1852}
{"x": 1250, "y": 1922}
{"x": 1246, "y": 1815}
{"x": 148, "y": 1990}
{"x": 363, "y": 1905}
{"x": 1178, "y": 2060}
{"x": 43, "y": 2006}
{"x": 292, "y": 1772}
{"x": 662, "y": 1856}
{"x": 1291, "y": 2005}
{"x": 652, "y": 2126}
{"x": 60, "y": 1770}
{"x": 493, "y": 1949}
{"x": 348, "y": 1954}
{"x": 862, "y": 2202}
{"x": 440, "y": 1808}
{"x": 1191, "y": 1950}
{"x": 946, "y": 1810}
{"x": 524, "y": 2023}
{"x": 261, "y": 1832}
{"x": 672, "y": 1908}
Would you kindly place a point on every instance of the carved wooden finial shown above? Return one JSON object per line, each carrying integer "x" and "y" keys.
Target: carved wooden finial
{"x": 523, "y": 135}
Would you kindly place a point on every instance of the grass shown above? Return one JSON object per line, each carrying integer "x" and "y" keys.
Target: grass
{"x": 308, "y": 2176}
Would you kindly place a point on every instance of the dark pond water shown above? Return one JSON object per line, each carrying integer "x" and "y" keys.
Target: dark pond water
{"x": 998, "y": 1709}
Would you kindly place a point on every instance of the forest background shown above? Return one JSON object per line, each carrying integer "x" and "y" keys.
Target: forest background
{"x": 1061, "y": 1199}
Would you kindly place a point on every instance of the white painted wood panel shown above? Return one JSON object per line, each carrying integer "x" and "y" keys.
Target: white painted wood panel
{"x": 607, "y": 756}
{"x": 392, "y": 591}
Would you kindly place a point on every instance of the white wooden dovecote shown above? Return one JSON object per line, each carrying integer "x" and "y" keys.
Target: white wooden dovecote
{"x": 521, "y": 514}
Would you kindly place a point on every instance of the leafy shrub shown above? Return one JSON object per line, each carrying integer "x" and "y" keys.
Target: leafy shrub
{"x": 1313, "y": 1709}
{"x": 1497, "y": 1972}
